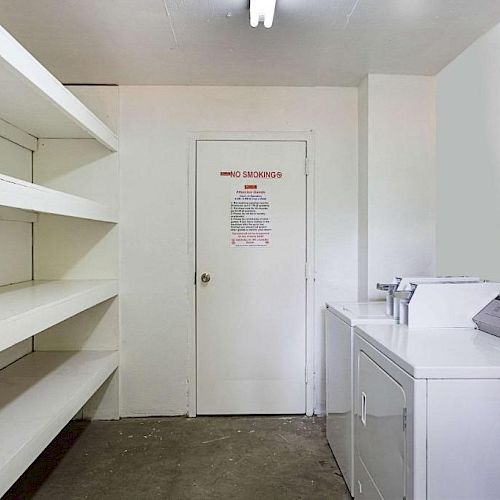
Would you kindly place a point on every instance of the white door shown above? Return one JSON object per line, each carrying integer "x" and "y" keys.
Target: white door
{"x": 250, "y": 277}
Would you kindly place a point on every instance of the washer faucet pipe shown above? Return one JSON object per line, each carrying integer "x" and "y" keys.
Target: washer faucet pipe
{"x": 390, "y": 289}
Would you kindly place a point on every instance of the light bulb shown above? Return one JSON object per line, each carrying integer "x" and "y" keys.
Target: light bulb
{"x": 262, "y": 10}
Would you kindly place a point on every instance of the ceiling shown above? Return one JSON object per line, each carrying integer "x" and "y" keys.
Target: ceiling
{"x": 210, "y": 42}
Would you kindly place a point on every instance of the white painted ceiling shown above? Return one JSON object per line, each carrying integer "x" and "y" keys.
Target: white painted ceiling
{"x": 210, "y": 42}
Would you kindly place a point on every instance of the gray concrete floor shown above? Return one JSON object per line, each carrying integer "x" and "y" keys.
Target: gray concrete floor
{"x": 180, "y": 458}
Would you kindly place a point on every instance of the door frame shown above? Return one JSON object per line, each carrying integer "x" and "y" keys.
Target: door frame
{"x": 309, "y": 272}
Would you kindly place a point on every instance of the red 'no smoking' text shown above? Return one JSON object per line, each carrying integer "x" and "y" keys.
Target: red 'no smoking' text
{"x": 253, "y": 174}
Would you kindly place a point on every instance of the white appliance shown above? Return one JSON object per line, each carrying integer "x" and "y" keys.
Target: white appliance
{"x": 340, "y": 320}
{"x": 406, "y": 281}
{"x": 403, "y": 288}
{"x": 427, "y": 406}
{"x": 448, "y": 305}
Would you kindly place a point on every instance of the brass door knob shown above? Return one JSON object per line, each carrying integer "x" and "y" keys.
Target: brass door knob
{"x": 205, "y": 278}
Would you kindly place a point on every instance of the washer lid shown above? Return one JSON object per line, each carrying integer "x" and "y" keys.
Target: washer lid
{"x": 436, "y": 353}
{"x": 361, "y": 312}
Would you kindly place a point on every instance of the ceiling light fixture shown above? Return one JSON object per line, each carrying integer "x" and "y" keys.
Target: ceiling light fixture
{"x": 262, "y": 10}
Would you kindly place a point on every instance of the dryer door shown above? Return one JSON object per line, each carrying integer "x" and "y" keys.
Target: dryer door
{"x": 380, "y": 433}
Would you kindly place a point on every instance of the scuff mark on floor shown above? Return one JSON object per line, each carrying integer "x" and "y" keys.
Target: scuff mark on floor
{"x": 283, "y": 437}
{"x": 217, "y": 439}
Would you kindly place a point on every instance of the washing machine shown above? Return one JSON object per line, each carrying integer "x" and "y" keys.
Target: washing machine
{"x": 340, "y": 319}
{"x": 426, "y": 413}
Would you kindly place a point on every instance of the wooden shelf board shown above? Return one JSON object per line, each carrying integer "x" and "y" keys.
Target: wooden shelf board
{"x": 30, "y": 307}
{"x": 16, "y": 193}
{"x": 39, "y": 395}
{"x": 33, "y": 100}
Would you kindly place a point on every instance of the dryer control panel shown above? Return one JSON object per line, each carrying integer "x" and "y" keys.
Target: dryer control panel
{"x": 488, "y": 319}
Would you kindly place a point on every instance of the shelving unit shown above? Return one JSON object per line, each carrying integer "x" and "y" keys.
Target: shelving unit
{"x": 38, "y": 396}
{"x": 33, "y": 100}
{"x": 31, "y": 307}
{"x": 69, "y": 309}
{"x": 15, "y": 193}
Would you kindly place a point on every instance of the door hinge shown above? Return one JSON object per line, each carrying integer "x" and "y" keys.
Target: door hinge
{"x": 195, "y": 277}
{"x": 307, "y": 170}
{"x": 308, "y": 272}
{"x": 405, "y": 418}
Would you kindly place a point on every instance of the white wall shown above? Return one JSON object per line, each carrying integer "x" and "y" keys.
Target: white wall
{"x": 397, "y": 179}
{"x": 156, "y": 275}
{"x": 468, "y": 145}
{"x": 363, "y": 211}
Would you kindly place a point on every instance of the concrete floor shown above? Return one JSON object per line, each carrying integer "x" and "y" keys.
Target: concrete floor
{"x": 180, "y": 458}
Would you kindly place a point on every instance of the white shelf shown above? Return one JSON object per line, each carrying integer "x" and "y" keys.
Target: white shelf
{"x": 33, "y": 306}
{"x": 33, "y": 100}
{"x": 39, "y": 395}
{"x": 15, "y": 193}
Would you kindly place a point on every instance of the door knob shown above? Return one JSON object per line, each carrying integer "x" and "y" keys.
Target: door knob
{"x": 205, "y": 278}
